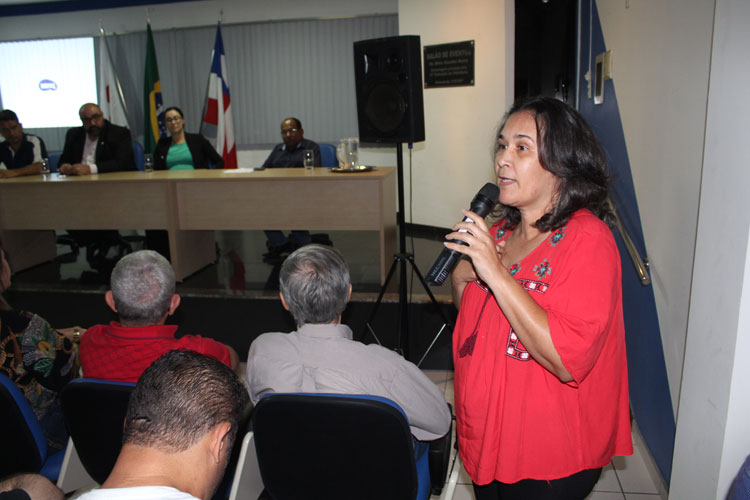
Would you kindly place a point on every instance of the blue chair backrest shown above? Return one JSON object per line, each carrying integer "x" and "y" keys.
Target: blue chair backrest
{"x": 94, "y": 413}
{"x": 138, "y": 155}
{"x": 24, "y": 444}
{"x": 54, "y": 160}
{"x": 336, "y": 446}
{"x": 328, "y": 155}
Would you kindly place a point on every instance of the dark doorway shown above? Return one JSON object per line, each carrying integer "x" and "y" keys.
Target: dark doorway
{"x": 545, "y": 50}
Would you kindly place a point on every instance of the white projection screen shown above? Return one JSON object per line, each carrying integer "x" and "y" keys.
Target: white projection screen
{"x": 46, "y": 81}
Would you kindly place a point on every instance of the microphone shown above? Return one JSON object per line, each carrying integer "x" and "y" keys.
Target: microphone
{"x": 484, "y": 201}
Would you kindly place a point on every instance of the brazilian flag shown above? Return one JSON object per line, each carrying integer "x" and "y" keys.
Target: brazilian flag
{"x": 153, "y": 112}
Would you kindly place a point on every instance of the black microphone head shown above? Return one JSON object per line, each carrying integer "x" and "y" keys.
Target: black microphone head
{"x": 486, "y": 199}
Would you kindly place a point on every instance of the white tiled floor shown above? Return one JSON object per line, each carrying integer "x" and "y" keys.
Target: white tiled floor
{"x": 626, "y": 478}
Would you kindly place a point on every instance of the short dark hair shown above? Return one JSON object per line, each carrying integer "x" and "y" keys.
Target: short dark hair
{"x": 315, "y": 283}
{"x": 174, "y": 108}
{"x": 295, "y": 120}
{"x": 570, "y": 150}
{"x": 181, "y": 397}
{"x": 7, "y": 114}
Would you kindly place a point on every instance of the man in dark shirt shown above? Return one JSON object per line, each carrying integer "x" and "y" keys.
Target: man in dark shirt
{"x": 288, "y": 154}
{"x": 96, "y": 147}
{"x": 20, "y": 153}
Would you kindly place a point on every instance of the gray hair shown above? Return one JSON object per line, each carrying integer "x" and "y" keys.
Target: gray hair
{"x": 315, "y": 283}
{"x": 142, "y": 286}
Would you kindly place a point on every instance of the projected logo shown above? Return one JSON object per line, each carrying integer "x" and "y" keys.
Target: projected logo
{"x": 47, "y": 85}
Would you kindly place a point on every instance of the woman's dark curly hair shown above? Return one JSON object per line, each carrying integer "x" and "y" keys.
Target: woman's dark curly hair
{"x": 569, "y": 149}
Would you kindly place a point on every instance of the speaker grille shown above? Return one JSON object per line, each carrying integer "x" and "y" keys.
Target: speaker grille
{"x": 385, "y": 108}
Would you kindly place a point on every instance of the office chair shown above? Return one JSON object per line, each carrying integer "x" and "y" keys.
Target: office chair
{"x": 94, "y": 412}
{"x": 334, "y": 446}
{"x": 138, "y": 155}
{"x": 24, "y": 445}
{"x": 328, "y": 155}
{"x": 54, "y": 160}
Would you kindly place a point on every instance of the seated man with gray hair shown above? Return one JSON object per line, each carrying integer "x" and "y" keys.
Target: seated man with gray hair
{"x": 180, "y": 426}
{"x": 321, "y": 355}
{"x": 143, "y": 296}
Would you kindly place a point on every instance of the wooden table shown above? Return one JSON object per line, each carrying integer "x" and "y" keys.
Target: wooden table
{"x": 192, "y": 204}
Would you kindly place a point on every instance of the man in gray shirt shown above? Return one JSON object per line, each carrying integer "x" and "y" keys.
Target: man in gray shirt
{"x": 321, "y": 355}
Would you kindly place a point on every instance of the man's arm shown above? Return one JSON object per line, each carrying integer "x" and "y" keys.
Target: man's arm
{"x": 115, "y": 152}
{"x": 316, "y": 154}
{"x": 269, "y": 161}
{"x": 34, "y": 168}
{"x": 234, "y": 360}
{"x": 422, "y": 401}
{"x": 73, "y": 148}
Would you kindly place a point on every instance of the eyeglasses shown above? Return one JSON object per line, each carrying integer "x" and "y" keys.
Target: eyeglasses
{"x": 9, "y": 129}
{"x": 86, "y": 119}
{"x": 289, "y": 131}
{"x": 173, "y": 119}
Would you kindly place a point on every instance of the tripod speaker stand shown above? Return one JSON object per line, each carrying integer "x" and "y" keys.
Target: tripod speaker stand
{"x": 400, "y": 260}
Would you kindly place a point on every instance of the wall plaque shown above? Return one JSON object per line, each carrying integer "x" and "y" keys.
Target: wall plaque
{"x": 449, "y": 64}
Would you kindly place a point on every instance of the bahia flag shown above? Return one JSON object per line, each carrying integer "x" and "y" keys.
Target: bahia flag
{"x": 154, "y": 108}
{"x": 111, "y": 99}
{"x": 217, "y": 123}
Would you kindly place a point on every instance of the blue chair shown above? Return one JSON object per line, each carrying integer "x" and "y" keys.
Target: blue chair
{"x": 138, "y": 155}
{"x": 328, "y": 155}
{"x": 94, "y": 412}
{"x": 24, "y": 445}
{"x": 54, "y": 160}
{"x": 337, "y": 446}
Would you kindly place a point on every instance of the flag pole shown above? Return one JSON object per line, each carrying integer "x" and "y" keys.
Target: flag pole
{"x": 208, "y": 81}
{"x": 117, "y": 78}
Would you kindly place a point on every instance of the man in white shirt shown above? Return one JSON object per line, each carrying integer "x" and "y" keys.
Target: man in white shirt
{"x": 321, "y": 355}
{"x": 180, "y": 426}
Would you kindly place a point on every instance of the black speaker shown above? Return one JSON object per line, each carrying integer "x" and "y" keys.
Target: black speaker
{"x": 388, "y": 77}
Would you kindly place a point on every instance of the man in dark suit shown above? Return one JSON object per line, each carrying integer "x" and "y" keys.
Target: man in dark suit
{"x": 97, "y": 146}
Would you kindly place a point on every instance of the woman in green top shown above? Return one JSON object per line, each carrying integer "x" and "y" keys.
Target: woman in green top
{"x": 183, "y": 151}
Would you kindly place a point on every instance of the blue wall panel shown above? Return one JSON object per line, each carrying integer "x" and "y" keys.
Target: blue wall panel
{"x": 649, "y": 387}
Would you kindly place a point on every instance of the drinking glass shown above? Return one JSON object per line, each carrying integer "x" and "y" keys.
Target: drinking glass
{"x": 148, "y": 163}
{"x": 45, "y": 166}
{"x": 308, "y": 160}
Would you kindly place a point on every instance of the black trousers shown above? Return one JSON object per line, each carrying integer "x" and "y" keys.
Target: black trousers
{"x": 575, "y": 487}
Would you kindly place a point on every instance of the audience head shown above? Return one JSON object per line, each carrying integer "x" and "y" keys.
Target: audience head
{"x": 291, "y": 132}
{"x": 314, "y": 284}
{"x": 142, "y": 289}
{"x": 174, "y": 119}
{"x": 10, "y": 129}
{"x": 181, "y": 397}
{"x": 36, "y": 486}
{"x": 569, "y": 149}
{"x": 92, "y": 119}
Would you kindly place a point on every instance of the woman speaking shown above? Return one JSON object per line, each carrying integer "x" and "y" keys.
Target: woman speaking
{"x": 541, "y": 380}
{"x": 183, "y": 151}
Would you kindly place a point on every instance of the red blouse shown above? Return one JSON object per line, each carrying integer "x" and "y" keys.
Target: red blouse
{"x": 515, "y": 419}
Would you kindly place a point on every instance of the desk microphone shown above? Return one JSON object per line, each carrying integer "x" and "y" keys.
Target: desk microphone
{"x": 484, "y": 201}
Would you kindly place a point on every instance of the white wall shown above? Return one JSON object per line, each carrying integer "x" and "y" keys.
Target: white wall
{"x": 661, "y": 54}
{"x": 181, "y": 15}
{"x": 713, "y": 434}
{"x": 454, "y": 162}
